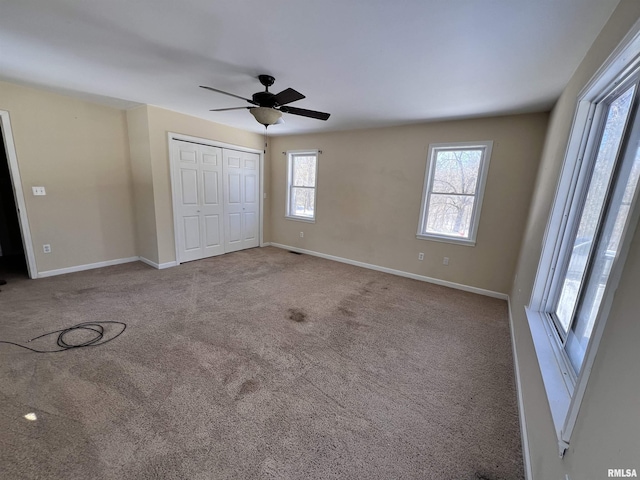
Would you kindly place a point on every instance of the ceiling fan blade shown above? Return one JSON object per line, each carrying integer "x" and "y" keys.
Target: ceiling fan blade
{"x": 230, "y": 94}
{"x": 287, "y": 96}
{"x": 305, "y": 113}
{"x": 232, "y": 108}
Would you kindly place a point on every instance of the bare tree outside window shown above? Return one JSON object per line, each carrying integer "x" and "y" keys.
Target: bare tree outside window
{"x": 453, "y": 189}
{"x": 302, "y": 185}
{"x": 452, "y": 194}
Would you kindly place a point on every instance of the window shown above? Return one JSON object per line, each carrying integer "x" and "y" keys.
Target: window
{"x": 302, "y": 168}
{"x": 593, "y": 238}
{"x": 453, "y": 186}
{"x": 592, "y": 221}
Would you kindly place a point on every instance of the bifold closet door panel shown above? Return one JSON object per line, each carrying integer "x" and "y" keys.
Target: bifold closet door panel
{"x": 241, "y": 199}
{"x": 198, "y": 181}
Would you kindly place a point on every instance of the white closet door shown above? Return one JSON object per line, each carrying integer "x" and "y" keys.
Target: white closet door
{"x": 198, "y": 179}
{"x": 241, "y": 199}
{"x": 212, "y": 201}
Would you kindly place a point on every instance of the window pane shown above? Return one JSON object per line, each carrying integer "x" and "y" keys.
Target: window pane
{"x": 593, "y": 206}
{"x": 608, "y": 248}
{"x": 304, "y": 171}
{"x": 456, "y": 171}
{"x": 450, "y": 214}
{"x": 302, "y": 202}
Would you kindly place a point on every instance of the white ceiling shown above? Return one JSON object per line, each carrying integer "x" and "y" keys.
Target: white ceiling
{"x": 367, "y": 62}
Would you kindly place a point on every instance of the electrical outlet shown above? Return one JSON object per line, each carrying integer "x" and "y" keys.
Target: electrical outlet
{"x": 445, "y": 261}
{"x": 421, "y": 256}
{"x": 38, "y": 190}
{"x": 301, "y": 234}
{"x": 46, "y": 248}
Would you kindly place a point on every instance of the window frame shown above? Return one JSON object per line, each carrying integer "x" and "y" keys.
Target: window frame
{"x": 564, "y": 388}
{"x": 291, "y": 154}
{"x": 486, "y": 146}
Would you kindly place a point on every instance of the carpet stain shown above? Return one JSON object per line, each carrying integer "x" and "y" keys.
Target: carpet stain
{"x": 74, "y": 293}
{"x": 249, "y": 386}
{"x": 85, "y": 290}
{"x": 352, "y": 324}
{"x": 346, "y": 311}
{"x": 365, "y": 290}
{"x": 484, "y": 476}
{"x": 297, "y": 315}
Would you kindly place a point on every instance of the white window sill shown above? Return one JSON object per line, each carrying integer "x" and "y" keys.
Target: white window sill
{"x": 554, "y": 376}
{"x": 445, "y": 239}
{"x": 300, "y": 219}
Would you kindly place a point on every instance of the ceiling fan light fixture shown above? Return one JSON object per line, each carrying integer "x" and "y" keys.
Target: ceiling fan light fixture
{"x": 265, "y": 115}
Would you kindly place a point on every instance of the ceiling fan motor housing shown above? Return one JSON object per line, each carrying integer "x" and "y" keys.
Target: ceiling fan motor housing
{"x": 265, "y": 99}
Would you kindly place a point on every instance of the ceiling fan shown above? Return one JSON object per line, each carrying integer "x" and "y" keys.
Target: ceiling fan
{"x": 268, "y": 107}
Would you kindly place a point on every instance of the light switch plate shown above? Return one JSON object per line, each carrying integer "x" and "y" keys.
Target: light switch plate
{"x": 39, "y": 191}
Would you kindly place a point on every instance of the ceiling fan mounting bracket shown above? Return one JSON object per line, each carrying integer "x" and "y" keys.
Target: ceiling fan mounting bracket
{"x": 266, "y": 80}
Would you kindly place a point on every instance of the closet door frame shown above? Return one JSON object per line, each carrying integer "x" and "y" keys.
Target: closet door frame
{"x": 172, "y": 138}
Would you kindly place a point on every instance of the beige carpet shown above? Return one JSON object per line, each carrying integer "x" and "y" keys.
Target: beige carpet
{"x": 260, "y": 364}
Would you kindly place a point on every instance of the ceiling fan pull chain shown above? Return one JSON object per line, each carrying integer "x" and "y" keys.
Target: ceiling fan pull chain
{"x": 265, "y": 139}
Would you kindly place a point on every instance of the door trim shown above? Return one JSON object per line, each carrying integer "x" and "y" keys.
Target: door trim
{"x": 14, "y": 172}
{"x": 172, "y": 138}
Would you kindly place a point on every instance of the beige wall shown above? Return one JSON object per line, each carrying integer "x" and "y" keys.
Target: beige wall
{"x": 606, "y": 434}
{"x": 79, "y": 152}
{"x": 106, "y": 172}
{"x": 144, "y": 205}
{"x": 161, "y": 122}
{"x": 370, "y": 188}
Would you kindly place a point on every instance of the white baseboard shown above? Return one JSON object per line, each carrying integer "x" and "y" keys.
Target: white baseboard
{"x": 526, "y": 454}
{"x": 415, "y": 276}
{"x": 88, "y": 266}
{"x": 108, "y": 263}
{"x": 265, "y": 244}
{"x": 159, "y": 266}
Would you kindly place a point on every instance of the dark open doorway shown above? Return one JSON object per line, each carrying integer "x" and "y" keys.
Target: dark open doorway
{"x": 12, "y": 256}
